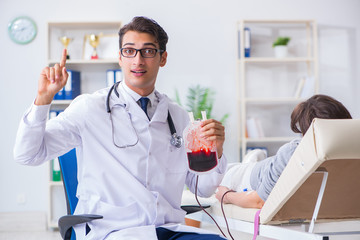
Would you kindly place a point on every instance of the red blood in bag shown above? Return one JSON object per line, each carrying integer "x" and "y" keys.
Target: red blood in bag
{"x": 202, "y": 161}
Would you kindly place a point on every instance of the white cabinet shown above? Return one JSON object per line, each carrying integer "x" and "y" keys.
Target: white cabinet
{"x": 267, "y": 85}
{"x": 93, "y": 73}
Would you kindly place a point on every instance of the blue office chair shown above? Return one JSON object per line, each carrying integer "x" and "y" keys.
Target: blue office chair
{"x": 68, "y": 167}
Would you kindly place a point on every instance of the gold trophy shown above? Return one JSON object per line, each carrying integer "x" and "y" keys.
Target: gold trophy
{"x": 94, "y": 41}
{"x": 65, "y": 41}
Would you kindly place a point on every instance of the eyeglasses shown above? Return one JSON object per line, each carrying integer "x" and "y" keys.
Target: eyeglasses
{"x": 145, "y": 52}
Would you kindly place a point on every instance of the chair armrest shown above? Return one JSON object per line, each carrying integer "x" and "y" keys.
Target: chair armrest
{"x": 67, "y": 222}
{"x": 193, "y": 208}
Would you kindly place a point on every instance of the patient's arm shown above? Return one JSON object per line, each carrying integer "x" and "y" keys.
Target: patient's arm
{"x": 248, "y": 199}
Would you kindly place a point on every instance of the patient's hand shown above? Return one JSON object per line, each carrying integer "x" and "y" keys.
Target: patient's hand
{"x": 220, "y": 194}
{"x": 249, "y": 199}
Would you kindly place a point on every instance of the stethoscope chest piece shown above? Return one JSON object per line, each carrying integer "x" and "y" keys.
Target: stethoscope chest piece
{"x": 176, "y": 140}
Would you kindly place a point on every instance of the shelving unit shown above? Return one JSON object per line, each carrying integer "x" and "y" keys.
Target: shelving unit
{"x": 266, "y": 84}
{"x": 93, "y": 77}
{"x": 87, "y": 62}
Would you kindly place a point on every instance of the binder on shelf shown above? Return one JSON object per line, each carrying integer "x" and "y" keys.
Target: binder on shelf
{"x": 260, "y": 128}
{"x": 309, "y": 88}
{"x": 72, "y": 87}
{"x": 254, "y": 128}
{"x": 238, "y": 38}
{"x": 299, "y": 87}
{"x": 55, "y": 167}
{"x": 53, "y": 114}
{"x": 247, "y": 42}
{"x": 59, "y": 95}
{"x": 58, "y": 112}
{"x": 110, "y": 78}
{"x": 113, "y": 76}
{"x": 56, "y": 174}
{"x": 118, "y": 75}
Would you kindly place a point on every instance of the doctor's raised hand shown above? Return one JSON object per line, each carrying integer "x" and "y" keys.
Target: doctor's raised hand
{"x": 51, "y": 81}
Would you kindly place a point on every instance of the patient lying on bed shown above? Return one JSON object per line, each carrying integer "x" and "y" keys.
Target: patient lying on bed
{"x": 249, "y": 184}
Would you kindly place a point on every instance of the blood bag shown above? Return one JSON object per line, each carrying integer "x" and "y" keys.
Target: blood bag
{"x": 201, "y": 153}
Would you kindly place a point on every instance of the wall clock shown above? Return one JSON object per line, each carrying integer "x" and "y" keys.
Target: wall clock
{"x": 22, "y": 30}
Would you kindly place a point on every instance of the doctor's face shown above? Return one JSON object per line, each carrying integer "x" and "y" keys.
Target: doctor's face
{"x": 140, "y": 72}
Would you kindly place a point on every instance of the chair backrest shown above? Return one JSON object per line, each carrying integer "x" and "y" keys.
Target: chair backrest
{"x": 330, "y": 145}
{"x": 68, "y": 166}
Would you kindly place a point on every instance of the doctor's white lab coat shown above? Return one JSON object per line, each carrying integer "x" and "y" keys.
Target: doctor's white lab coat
{"x": 135, "y": 189}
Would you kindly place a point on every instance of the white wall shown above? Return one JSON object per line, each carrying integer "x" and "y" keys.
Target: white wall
{"x": 202, "y": 50}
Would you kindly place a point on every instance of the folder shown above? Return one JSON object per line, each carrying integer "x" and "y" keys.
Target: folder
{"x": 254, "y": 128}
{"x": 300, "y": 87}
{"x": 309, "y": 88}
{"x": 59, "y": 95}
{"x": 53, "y": 114}
{"x": 247, "y": 42}
{"x": 113, "y": 76}
{"x": 72, "y": 87}
{"x": 118, "y": 75}
{"x": 110, "y": 77}
{"x": 56, "y": 175}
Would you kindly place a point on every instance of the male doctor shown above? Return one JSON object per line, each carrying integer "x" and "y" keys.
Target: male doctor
{"x": 128, "y": 171}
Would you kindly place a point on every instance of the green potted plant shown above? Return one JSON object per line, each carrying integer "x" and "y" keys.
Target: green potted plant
{"x": 200, "y": 99}
{"x": 280, "y": 47}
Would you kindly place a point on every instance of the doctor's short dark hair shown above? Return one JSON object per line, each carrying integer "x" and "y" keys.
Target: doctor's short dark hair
{"x": 318, "y": 106}
{"x": 145, "y": 25}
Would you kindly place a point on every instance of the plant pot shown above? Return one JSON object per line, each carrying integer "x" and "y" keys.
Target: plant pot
{"x": 281, "y": 51}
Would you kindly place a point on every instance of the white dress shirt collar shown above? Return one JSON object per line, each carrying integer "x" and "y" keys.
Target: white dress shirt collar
{"x": 153, "y": 98}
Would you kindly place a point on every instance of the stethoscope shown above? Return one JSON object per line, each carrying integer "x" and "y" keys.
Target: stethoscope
{"x": 176, "y": 140}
